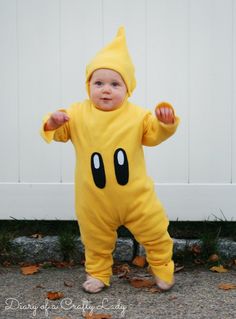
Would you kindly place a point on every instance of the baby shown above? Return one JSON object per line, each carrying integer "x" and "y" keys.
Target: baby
{"x": 111, "y": 183}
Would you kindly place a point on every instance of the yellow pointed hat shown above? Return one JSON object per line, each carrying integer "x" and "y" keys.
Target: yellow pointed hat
{"x": 114, "y": 56}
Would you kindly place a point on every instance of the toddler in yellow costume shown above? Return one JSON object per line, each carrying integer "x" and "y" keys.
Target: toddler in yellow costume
{"x": 111, "y": 184}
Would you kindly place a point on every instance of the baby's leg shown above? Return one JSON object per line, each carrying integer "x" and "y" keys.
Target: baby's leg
{"x": 99, "y": 242}
{"x": 150, "y": 229}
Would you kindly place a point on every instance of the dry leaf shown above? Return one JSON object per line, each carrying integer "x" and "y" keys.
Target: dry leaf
{"x": 29, "y": 270}
{"x": 218, "y": 269}
{"x": 68, "y": 284}
{"x": 227, "y": 286}
{"x": 37, "y": 236}
{"x": 63, "y": 264}
{"x": 40, "y": 286}
{"x": 213, "y": 258}
{"x": 121, "y": 270}
{"x": 196, "y": 249}
{"x": 54, "y": 295}
{"x": 141, "y": 282}
{"x": 172, "y": 298}
{"x": 178, "y": 268}
{"x": 96, "y": 316}
{"x": 149, "y": 269}
{"x": 154, "y": 290}
{"x": 139, "y": 261}
{"x": 199, "y": 261}
{"x": 6, "y": 264}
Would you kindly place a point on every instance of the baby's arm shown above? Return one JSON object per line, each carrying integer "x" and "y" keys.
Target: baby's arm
{"x": 56, "y": 120}
{"x": 158, "y": 128}
{"x": 56, "y": 127}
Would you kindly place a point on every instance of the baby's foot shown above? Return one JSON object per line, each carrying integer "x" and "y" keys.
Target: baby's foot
{"x": 93, "y": 285}
{"x": 164, "y": 286}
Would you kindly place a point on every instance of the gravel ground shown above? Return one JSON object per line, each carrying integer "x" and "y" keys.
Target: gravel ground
{"x": 195, "y": 296}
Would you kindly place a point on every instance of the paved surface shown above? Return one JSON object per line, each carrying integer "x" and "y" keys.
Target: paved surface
{"x": 195, "y": 295}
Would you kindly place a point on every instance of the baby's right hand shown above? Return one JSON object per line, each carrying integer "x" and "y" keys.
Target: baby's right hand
{"x": 56, "y": 120}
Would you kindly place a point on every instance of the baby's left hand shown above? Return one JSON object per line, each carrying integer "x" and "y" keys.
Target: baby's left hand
{"x": 165, "y": 115}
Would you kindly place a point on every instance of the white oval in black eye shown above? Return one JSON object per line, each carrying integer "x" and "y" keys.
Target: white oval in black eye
{"x": 121, "y": 166}
{"x": 120, "y": 157}
{"x": 96, "y": 161}
{"x": 98, "y": 170}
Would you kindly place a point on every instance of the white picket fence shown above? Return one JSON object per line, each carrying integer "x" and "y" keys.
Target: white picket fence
{"x": 184, "y": 52}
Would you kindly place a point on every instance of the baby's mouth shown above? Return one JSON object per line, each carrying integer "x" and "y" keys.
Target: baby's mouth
{"x": 105, "y": 99}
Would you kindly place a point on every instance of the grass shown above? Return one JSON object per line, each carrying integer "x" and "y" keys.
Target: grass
{"x": 207, "y": 231}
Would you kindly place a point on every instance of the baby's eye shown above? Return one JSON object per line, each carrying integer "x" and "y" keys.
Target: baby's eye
{"x": 98, "y": 83}
{"x": 115, "y": 84}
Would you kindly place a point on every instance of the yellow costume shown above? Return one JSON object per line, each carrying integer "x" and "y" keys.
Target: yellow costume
{"x": 111, "y": 184}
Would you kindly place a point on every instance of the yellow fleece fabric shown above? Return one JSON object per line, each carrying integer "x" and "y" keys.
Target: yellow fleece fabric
{"x": 111, "y": 183}
{"x": 103, "y": 141}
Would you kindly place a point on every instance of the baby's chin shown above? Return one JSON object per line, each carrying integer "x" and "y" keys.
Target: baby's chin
{"x": 107, "y": 107}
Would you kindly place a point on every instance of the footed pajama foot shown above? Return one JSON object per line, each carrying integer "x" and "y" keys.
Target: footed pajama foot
{"x": 93, "y": 285}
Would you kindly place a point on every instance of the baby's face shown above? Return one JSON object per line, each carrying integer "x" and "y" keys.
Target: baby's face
{"x": 107, "y": 89}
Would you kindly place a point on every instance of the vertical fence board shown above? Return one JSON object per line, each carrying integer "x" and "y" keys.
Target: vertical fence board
{"x": 8, "y": 93}
{"x": 38, "y": 25}
{"x": 211, "y": 91}
{"x": 167, "y": 80}
{"x": 234, "y": 96}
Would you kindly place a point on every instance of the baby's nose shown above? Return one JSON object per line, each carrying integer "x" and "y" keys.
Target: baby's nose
{"x": 106, "y": 88}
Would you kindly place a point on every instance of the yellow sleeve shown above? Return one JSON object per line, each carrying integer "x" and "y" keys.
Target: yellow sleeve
{"x": 62, "y": 134}
{"x": 154, "y": 131}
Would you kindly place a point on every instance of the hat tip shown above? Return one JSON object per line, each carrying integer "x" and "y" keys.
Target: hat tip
{"x": 121, "y": 30}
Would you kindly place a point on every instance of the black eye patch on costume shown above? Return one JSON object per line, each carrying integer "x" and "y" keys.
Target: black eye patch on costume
{"x": 121, "y": 166}
{"x": 98, "y": 170}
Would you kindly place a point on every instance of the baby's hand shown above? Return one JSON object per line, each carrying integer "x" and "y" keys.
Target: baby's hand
{"x": 56, "y": 120}
{"x": 165, "y": 115}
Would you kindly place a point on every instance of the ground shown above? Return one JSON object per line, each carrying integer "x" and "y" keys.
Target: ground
{"x": 195, "y": 295}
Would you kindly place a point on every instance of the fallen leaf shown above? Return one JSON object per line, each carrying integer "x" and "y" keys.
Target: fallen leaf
{"x": 196, "y": 249}
{"x": 218, "y": 269}
{"x": 37, "y": 236}
{"x": 96, "y": 316}
{"x": 6, "y": 264}
{"x": 141, "y": 282}
{"x": 154, "y": 290}
{"x": 82, "y": 262}
{"x": 149, "y": 269}
{"x": 54, "y": 295}
{"x": 178, "y": 268}
{"x": 40, "y": 286}
{"x": 68, "y": 284}
{"x": 198, "y": 261}
{"x": 213, "y": 258}
{"x": 29, "y": 270}
{"x": 172, "y": 298}
{"x": 121, "y": 270}
{"x": 139, "y": 261}
{"x": 227, "y": 286}
{"x": 63, "y": 264}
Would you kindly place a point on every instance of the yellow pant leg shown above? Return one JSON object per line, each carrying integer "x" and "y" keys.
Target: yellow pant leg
{"x": 148, "y": 223}
{"x": 99, "y": 240}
